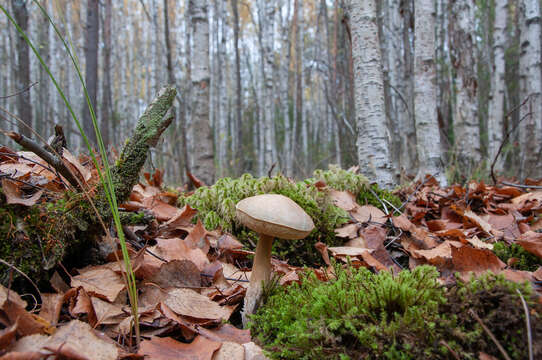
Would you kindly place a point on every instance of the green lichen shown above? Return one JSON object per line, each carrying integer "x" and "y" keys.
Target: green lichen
{"x": 216, "y": 209}
{"x": 357, "y": 315}
{"x": 524, "y": 260}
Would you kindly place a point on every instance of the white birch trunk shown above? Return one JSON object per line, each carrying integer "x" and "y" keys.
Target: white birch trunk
{"x": 498, "y": 86}
{"x": 425, "y": 93}
{"x": 373, "y": 135}
{"x": 203, "y": 160}
{"x": 530, "y": 129}
{"x": 284, "y": 82}
{"x": 466, "y": 123}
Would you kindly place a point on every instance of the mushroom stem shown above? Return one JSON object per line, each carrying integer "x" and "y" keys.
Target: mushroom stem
{"x": 261, "y": 268}
{"x": 261, "y": 273}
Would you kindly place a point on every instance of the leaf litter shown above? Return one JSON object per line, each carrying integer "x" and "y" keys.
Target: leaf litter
{"x": 193, "y": 281}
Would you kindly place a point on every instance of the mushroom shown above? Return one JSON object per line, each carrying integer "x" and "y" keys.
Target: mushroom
{"x": 270, "y": 215}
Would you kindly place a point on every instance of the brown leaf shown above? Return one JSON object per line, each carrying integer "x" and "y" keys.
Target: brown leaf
{"x": 196, "y": 238}
{"x": 99, "y": 281}
{"x": 28, "y": 347}
{"x": 106, "y": 313}
{"x": 177, "y": 249}
{"x": 178, "y": 273}
{"x": 84, "y": 172}
{"x": 161, "y": 210}
{"x": 79, "y": 339}
{"x": 421, "y": 236}
{"x": 228, "y": 242}
{"x": 227, "y": 332}
{"x": 51, "y": 305}
{"x": 439, "y": 255}
{"x": 538, "y": 274}
{"x": 187, "y": 302}
{"x": 367, "y": 213}
{"x": 182, "y": 220}
{"x": 479, "y": 244}
{"x": 167, "y": 348}
{"x": 478, "y": 221}
{"x": 532, "y": 242}
{"x": 13, "y": 297}
{"x": 230, "y": 351}
{"x": 349, "y": 231}
{"x": 322, "y": 249}
{"x": 7, "y": 335}
{"x": 14, "y": 195}
{"x": 467, "y": 259}
{"x": 343, "y": 199}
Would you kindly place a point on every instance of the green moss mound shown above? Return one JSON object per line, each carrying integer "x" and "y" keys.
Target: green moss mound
{"x": 497, "y": 303}
{"x": 358, "y": 315}
{"x": 403, "y": 316}
{"x": 216, "y": 207}
{"x": 524, "y": 260}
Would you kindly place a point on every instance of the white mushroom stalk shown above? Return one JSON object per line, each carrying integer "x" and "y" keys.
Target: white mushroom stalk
{"x": 271, "y": 216}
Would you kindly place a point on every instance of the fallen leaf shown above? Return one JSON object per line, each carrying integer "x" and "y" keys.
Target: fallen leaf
{"x": 161, "y": 210}
{"x": 83, "y": 171}
{"x": 466, "y": 259}
{"x": 538, "y": 274}
{"x": 479, "y": 244}
{"x": 230, "y": 351}
{"x": 254, "y": 352}
{"x": 367, "y": 213}
{"x": 177, "y": 273}
{"x": 478, "y": 221}
{"x": 532, "y": 242}
{"x": 343, "y": 199}
{"x": 167, "y": 348}
{"x": 14, "y": 195}
{"x": 187, "y": 302}
{"x": 99, "y": 281}
{"x": 227, "y": 333}
{"x": 349, "y": 231}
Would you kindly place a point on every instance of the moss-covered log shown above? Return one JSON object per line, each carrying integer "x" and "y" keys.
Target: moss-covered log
{"x": 36, "y": 238}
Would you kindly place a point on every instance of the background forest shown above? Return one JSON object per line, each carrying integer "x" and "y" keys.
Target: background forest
{"x": 289, "y": 82}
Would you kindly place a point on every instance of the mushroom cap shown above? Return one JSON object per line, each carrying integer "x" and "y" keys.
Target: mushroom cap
{"x": 274, "y": 215}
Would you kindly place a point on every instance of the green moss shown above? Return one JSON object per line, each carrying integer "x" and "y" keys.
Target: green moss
{"x": 525, "y": 260}
{"x": 367, "y": 196}
{"x": 357, "y": 315}
{"x": 497, "y": 303}
{"x": 216, "y": 208}
{"x": 406, "y": 316}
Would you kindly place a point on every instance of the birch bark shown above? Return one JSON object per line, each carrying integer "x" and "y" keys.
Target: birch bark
{"x": 425, "y": 93}
{"x": 463, "y": 48}
{"x": 203, "y": 159}
{"x": 373, "y": 135}
{"x": 530, "y": 128}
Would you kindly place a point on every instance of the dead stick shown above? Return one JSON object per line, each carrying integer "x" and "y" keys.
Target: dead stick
{"x": 49, "y": 158}
{"x": 499, "y": 346}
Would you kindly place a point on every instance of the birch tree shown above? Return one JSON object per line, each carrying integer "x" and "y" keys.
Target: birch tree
{"x": 425, "y": 93}
{"x": 498, "y": 86}
{"x": 91, "y": 66}
{"x": 463, "y": 48}
{"x": 238, "y": 137}
{"x": 373, "y": 135}
{"x": 530, "y": 86}
{"x": 202, "y": 151}
{"x": 22, "y": 74}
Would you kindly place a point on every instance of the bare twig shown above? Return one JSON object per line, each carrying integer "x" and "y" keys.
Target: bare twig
{"x": 505, "y": 140}
{"x": 18, "y": 92}
{"x": 521, "y": 186}
{"x": 11, "y": 266}
{"x": 527, "y": 324}
{"x": 490, "y": 334}
{"x": 49, "y": 158}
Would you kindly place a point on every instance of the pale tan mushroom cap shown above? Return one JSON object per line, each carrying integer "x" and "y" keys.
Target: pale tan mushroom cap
{"x": 274, "y": 215}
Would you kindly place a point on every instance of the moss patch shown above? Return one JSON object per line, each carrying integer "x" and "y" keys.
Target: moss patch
{"x": 522, "y": 259}
{"x": 406, "y": 316}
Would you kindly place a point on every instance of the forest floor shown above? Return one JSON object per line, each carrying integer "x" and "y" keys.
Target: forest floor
{"x": 192, "y": 281}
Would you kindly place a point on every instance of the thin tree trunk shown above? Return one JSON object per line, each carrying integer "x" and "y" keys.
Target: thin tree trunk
{"x": 22, "y": 74}
{"x": 425, "y": 93}
{"x": 495, "y": 124}
{"x": 91, "y": 66}
{"x": 43, "y": 117}
{"x": 239, "y": 136}
{"x": 466, "y": 122}
{"x": 106, "y": 106}
{"x": 530, "y": 78}
{"x": 203, "y": 158}
{"x": 373, "y": 134}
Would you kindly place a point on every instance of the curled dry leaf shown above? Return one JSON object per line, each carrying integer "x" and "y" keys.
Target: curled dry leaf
{"x": 532, "y": 242}
{"x": 14, "y": 195}
{"x": 167, "y": 348}
{"x": 187, "y": 302}
{"x": 99, "y": 281}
